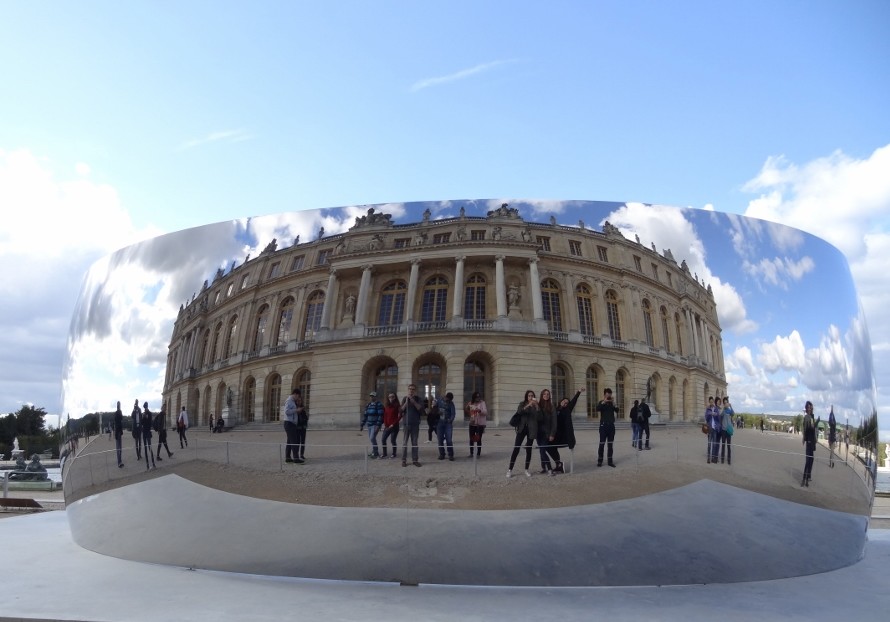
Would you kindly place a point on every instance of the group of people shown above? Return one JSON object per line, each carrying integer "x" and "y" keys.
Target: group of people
{"x": 719, "y": 420}
{"x": 144, "y": 422}
{"x": 394, "y": 415}
{"x": 550, "y": 426}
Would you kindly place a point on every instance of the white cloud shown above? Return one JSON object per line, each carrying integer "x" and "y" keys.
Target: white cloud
{"x": 458, "y": 75}
{"x": 229, "y": 136}
{"x": 779, "y": 270}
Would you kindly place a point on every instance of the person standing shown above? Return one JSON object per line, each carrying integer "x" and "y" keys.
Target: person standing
{"x": 431, "y": 407}
{"x": 391, "y": 418}
{"x": 832, "y": 436}
{"x": 529, "y": 416}
{"x": 635, "y": 424}
{"x": 211, "y": 423}
{"x": 160, "y": 424}
{"x": 809, "y": 440}
{"x": 182, "y": 424}
{"x": 547, "y": 433}
{"x": 725, "y": 427}
{"x": 607, "y": 409}
{"x": 145, "y": 427}
{"x": 291, "y": 450}
{"x": 445, "y": 426}
{"x": 118, "y": 426}
{"x": 565, "y": 429}
{"x": 712, "y": 418}
{"x": 373, "y": 418}
{"x": 412, "y": 411}
{"x": 136, "y": 415}
{"x": 645, "y": 414}
{"x": 478, "y": 420}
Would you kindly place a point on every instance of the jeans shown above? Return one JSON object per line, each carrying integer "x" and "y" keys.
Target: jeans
{"x": 607, "y": 435}
{"x": 392, "y": 432}
{"x": 412, "y": 431}
{"x": 182, "y": 438}
{"x": 644, "y": 429}
{"x": 301, "y": 442}
{"x": 520, "y": 435}
{"x": 713, "y": 444}
{"x": 725, "y": 447}
{"x": 636, "y": 435}
{"x": 547, "y": 450}
{"x": 476, "y": 432}
{"x": 372, "y": 438}
{"x": 291, "y": 452}
{"x": 808, "y": 465}
{"x": 118, "y": 446}
{"x": 443, "y": 433}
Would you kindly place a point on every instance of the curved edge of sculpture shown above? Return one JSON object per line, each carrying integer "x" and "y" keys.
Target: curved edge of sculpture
{"x": 700, "y": 533}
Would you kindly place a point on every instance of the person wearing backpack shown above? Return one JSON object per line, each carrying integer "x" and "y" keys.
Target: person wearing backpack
{"x": 373, "y": 418}
{"x": 160, "y": 425}
{"x": 726, "y": 431}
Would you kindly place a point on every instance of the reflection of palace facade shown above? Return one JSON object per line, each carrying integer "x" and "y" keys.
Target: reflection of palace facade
{"x": 494, "y": 304}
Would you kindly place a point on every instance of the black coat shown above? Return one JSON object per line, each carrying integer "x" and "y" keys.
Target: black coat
{"x": 565, "y": 429}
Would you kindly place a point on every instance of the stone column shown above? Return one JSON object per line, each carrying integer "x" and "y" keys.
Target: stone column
{"x": 500, "y": 286}
{"x": 572, "y": 321}
{"x": 296, "y": 330}
{"x": 328, "y": 308}
{"x": 457, "y": 306}
{"x": 599, "y": 310}
{"x": 706, "y": 336}
{"x": 412, "y": 290}
{"x": 364, "y": 292}
{"x": 537, "y": 305}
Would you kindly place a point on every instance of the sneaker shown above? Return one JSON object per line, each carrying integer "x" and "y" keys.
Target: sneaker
{"x": 121, "y": 465}
{"x": 417, "y": 464}
{"x": 392, "y": 457}
{"x": 298, "y": 461}
{"x": 552, "y": 473}
{"x": 509, "y": 473}
{"x": 527, "y": 474}
{"x": 404, "y": 463}
{"x": 441, "y": 457}
{"x": 451, "y": 458}
{"x": 427, "y": 442}
{"x": 289, "y": 460}
{"x": 612, "y": 464}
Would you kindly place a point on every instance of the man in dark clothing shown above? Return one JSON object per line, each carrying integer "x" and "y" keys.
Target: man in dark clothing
{"x": 145, "y": 428}
{"x": 645, "y": 413}
{"x": 118, "y": 426}
{"x": 606, "y": 409}
{"x": 635, "y": 424}
{"x": 412, "y": 411}
{"x": 445, "y": 426}
{"x": 137, "y": 433}
{"x": 160, "y": 425}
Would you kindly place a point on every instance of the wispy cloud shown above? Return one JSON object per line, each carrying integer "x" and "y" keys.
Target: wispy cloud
{"x": 458, "y": 75}
{"x": 229, "y": 136}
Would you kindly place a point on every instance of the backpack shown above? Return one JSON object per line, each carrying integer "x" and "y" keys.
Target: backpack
{"x": 156, "y": 423}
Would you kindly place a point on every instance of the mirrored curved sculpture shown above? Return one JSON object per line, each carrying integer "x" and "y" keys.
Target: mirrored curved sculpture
{"x": 663, "y": 306}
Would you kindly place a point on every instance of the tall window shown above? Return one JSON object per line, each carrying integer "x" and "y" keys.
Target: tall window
{"x": 619, "y": 393}
{"x": 544, "y": 243}
{"x": 575, "y": 248}
{"x": 214, "y": 351}
{"x": 275, "y": 271}
{"x": 298, "y": 263}
{"x": 679, "y": 334}
{"x": 559, "y": 387}
{"x": 550, "y": 300}
{"x": 474, "y": 298}
{"x": 249, "y": 398}
{"x": 603, "y": 254}
{"x": 386, "y": 380}
{"x": 285, "y": 317}
{"x": 429, "y": 380}
{"x": 638, "y": 264}
{"x": 647, "y": 323}
{"x": 435, "y": 293}
{"x": 244, "y": 281}
{"x": 304, "y": 384}
{"x": 392, "y": 304}
{"x": 612, "y": 314}
{"x": 273, "y": 407}
{"x": 593, "y": 392}
{"x": 324, "y": 256}
{"x": 229, "y": 348}
{"x": 314, "y": 307}
{"x": 585, "y": 309}
{"x": 474, "y": 380}
{"x": 259, "y": 333}
{"x": 655, "y": 271}
{"x": 665, "y": 333}
{"x": 477, "y": 234}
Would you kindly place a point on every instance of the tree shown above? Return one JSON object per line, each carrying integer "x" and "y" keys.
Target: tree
{"x": 30, "y": 421}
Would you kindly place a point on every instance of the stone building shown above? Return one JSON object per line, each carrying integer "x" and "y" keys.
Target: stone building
{"x": 495, "y": 304}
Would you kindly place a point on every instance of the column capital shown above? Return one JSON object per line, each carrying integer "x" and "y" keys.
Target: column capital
{"x": 415, "y": 261}
{"x": 460, "y": 258}
{"x": 368, "y": 267}
{"x": 500, "y": 257}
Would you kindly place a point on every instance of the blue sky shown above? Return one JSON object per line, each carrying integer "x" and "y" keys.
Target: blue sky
{"x": 120, "y": 121}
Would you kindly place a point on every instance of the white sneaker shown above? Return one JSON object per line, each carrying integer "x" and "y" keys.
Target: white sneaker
{"x": 509, "y": 473}
{"x": 527, "y": 474}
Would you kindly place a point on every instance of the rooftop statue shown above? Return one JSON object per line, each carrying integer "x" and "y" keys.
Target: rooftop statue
{"x": 373, "y": 218}
{"x": 504, "y": 211}
{"x": 271, "y": 247}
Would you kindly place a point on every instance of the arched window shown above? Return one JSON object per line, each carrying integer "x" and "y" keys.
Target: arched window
{"x": 273, "y": 403}
{"x": 216, "y": 353}
{"x": 259, "y": 333}
{"x": 249, "y": 398}
{"x": 619, "y": 393}
{"x": 474, "y": 380}
{"x": 679, "y": 334}
{"x": 314, "y": 307}
{"x": 304, "y": 384}
{"x": 550, "y": 300}
{"x": 593, "y": 392}
{"x": 559, "y": 386}
{"x": 285, "y": 317}
{"x": 230, "y": 337}
{"x": 612, "y": 314}
{"x": 665, "y": 333}
{"x": 429, "y": 380}
{"x": 474, "y": 298}
{"x": 392, "y": 304}
{"x": 585, "y": 310}
{"x": 386, "y": 380}
{"x": 647, "y": 323}
{"x": 435, "y": 293}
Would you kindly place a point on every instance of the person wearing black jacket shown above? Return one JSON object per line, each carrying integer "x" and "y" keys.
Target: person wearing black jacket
{"x": 645, "y": 413}
{"x": 137, "y": 434}
{"x": 565, "y": 429}
{"x": 145, "y": 428}
{"x": 809, "y": 440}
{"x": 160, "y": 424}
{"x": 118, "y": 426}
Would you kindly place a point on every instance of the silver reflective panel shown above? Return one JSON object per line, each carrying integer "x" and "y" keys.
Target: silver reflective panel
{"x": 670, "y": 309}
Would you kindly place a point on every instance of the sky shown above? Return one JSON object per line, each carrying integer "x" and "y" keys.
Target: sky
{"x": 123, "y": 121}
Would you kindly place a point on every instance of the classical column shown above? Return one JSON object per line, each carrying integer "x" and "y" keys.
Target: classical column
{"x": 500, "y": 286}
{"x": 706, "y": 336}
{"x": 537, "y": 305}
{"x": 364, "y": 292}
{"x": 328, "y": 308}
{"x": 457, "y": 306}
{"x": 599, "y": 309}
{"x": 412, "y": 290}
{"x": 696, "y": 342}
{"x": 296, "y": 330}
{"x": 572, "y": 320}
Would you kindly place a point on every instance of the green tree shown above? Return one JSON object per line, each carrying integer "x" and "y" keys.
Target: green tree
{"x": 30, "y": 421}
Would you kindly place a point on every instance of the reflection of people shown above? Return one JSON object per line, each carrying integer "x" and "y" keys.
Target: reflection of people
{"x": 565, "y": 429}
{"x": 118, "y": 425}
{"x": 182, "y": 424}
{"x": 137, "y": 434}
{"x": 529, "y": 415}
{"x": 607, "y": 409}
{"x": 445, "y": 426}
{"x": 832, "y": 436}
{"x": 373, "y": 418}
{"x": 478, "y": 420}
{"x": 412, "y": 409}
{"x": 145, "y": 427}
{"x": 391, "y": 418}
{"x": 809, "y": 441}
{"x": 291, "y": 450}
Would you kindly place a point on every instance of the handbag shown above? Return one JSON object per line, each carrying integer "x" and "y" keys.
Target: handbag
{"x": 704, "y": 428}
{"x": 729, "y": 430}
{"x": 515, "y": 420}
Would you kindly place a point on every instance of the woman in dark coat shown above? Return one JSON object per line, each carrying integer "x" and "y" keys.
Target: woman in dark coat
{"x": 528, "y": 415}
{"x": 565, "y": 429}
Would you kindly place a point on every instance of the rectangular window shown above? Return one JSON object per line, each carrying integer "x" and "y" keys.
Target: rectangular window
{"x": 544, "y": 243}
{"x": 441, "y": 238}
{"x": 638, "y": 264}
{"x": 603, "y": 253}
{"x": 575, "y": 248}
{"x": 229, "y": 290}
{"x": 216, "y": 298}
{"x": 276, "y": 270}
{"x": 402, "y": 243}
{"x": 585, "y": 316}
{"x": 323, "y": 256}
{"x": 655, "y": 271}
{"x": 670, "y": 281}
{"x": 477, "y": 234}
{"x": 244, "y": 280}
{"x": 298, "y": 263}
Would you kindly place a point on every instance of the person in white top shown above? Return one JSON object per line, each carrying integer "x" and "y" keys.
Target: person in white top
{"x": 182, "y": 424}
